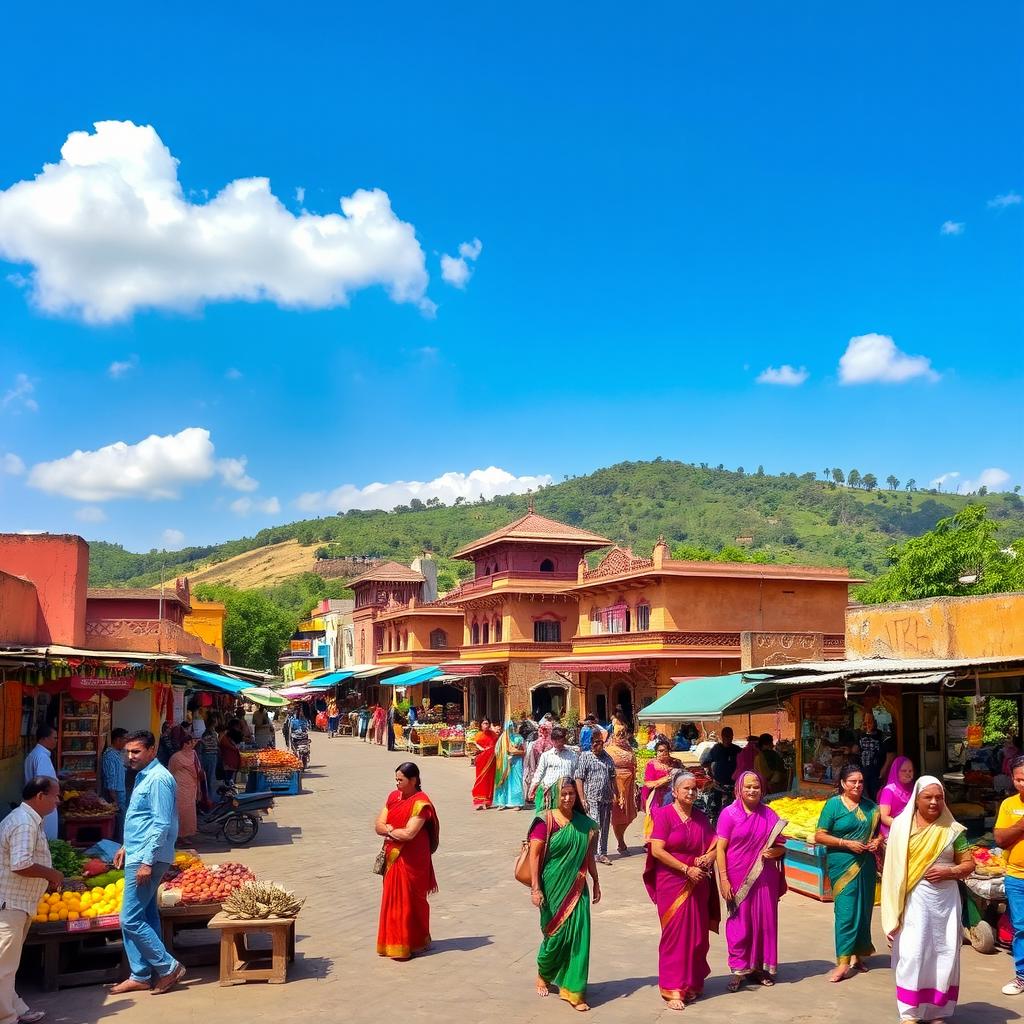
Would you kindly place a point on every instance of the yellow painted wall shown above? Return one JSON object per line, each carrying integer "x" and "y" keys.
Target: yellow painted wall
{"x": 207, "y": 622}
{"x": 942, "y": 627}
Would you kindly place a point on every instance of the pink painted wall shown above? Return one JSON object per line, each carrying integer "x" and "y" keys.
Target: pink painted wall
{"x": 133, "y": 608}
{"x": 527, "y": 558}
{"x": 58, "y": 565}
{"x": 19, "y": 610}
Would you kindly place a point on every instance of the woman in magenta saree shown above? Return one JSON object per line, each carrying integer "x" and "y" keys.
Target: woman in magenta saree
{"x": 681, "y": 883}
{"x": 750, "y": 847}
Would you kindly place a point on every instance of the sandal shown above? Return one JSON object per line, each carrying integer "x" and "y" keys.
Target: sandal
{"x": 736, "y": 984}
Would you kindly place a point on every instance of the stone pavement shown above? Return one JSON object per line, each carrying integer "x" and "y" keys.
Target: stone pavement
{"x": 485, "y": 930}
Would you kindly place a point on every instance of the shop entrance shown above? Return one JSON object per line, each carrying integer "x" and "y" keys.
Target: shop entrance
{"x": 484, "y": 701}
{"x": 601, "y": 707}
{"x": 549, "y": 698}
{"x": 624, "y": 699}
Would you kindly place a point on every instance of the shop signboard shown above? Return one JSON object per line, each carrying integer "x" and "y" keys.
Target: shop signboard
{"x": 115, "y": 687}
{"x": 301, "y": 646}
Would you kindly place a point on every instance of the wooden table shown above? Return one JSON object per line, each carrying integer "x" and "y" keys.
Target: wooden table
{"x": 58, "y": 941}
{"x": 239, "y": 964}
{"x": 189, "y": 917}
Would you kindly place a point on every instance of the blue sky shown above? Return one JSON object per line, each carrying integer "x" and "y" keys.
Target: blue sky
{"x": 668, "y": 202}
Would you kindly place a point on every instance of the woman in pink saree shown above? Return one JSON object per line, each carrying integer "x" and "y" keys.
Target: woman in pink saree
{"x": 750, "y": 848}
{"x": 680, "y": 881}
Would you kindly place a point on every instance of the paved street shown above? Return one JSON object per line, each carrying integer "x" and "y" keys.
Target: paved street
{"x": 485, "y": 930}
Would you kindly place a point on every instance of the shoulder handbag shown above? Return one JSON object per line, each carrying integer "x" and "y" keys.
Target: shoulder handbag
{"x": 380, "y": 862}
{"x": 521, "y": 871}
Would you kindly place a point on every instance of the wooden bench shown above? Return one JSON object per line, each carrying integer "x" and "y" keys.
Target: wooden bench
{"x": 239, "y": 963}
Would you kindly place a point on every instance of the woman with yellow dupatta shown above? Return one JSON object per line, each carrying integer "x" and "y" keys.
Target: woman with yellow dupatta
{"x": 508, "y": 777}
{"x": 562, "y": 843}
{"x": 848, "y": 827}
{"x": 408, "y": 823}
{"x": 926, "y": 856}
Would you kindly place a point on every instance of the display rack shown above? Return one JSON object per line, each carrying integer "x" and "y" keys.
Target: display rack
{"x": 84, "y": 726}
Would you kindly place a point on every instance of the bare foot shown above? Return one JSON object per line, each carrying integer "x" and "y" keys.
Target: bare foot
{"x": 542, "y": 988}
{"x": 581, "y": 1007}
{"x": 689, "y": 996}
{"x": 129, "y": 985}
{"x": 841, "y": 973}
{"x": 675, "y": 1004}
{"x": 860, "y": 965}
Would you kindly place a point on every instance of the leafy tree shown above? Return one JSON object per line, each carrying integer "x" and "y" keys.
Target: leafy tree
{"x": 854, "y": 478}
{"x": 911, "y": 484}
{"x": 760, "y": 472}
{"x": 838, "y": 476}
{"x": 961, "y": 556}
{"x": 256, "y": 630}
{"x": 982, "y": 491}
{"x": 893, "y": 482}
{"x": 869, "y": 481}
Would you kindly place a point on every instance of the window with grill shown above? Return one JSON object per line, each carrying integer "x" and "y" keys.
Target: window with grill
{"x": 547, "y": 632}
{"x": 438, "y": 639}
{"x": 643, "y": 617}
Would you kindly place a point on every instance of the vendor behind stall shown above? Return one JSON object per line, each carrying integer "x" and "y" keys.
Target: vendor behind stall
{"x": 39, "y": 764}
{"x": 112, "y": 778}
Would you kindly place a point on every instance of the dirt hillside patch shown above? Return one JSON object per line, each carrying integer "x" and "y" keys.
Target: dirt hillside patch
{"x": 263, "y": 567}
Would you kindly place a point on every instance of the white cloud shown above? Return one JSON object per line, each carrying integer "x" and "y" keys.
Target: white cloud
{"x": 875, "y": 357}
{"x": 300, "y": 195}
{"x": 243, "y": 506}
{"x": 952, "y": 227}
{"x": 994, "y": 479}
{"x": 90, "y": 514}
{"x": 19, "y": 396}
{"x": 945, "y": 480}
{"x": 11, "y": 465}
{"x": 785, "y": 375}
{"x": 1005, "y": 200}
{"x": 173, "y": 539}
{"x": 157, "y": 467}
{"x": 449, "y": 486}
{"x": 232, "y": 472}
{"x": 117, "y": 369}
{"x": 456, "y": 270}
{"x": 108, "y": 231}
{"x": 233, "y": 374}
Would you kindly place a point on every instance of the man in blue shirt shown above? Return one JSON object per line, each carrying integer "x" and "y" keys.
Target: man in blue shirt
{"x": 112, "y": 778}
{"x": 150, "y": 829}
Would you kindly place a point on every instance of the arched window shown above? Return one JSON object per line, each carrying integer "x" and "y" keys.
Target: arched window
{"x": 475, "y": 634}
{"x": 487, "y": 633}
{"x": 595, "y": 621}
{"x": 547, "y": 631}
{"x": 547, "y": 565}
{"x": 438, "y": 639}
{"x": 497, "y": 629}
{"x": 643, "y": 617}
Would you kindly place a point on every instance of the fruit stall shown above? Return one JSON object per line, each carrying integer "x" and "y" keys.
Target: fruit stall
{"x": 804, "y": 865}
{"x": 85, "y": 816}
{"x": 273, "y": 770}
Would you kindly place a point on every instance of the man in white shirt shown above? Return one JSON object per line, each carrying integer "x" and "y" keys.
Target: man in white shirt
{"x": 554, "y": 765}
{"x": 39, "y": 763}
{"x": 26, "y": 872}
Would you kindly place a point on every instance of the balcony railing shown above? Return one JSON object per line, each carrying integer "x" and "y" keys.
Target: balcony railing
{"x": 683, "y": 638}
{"x": 484, "y": 583}
{"x": 147, "y": 636}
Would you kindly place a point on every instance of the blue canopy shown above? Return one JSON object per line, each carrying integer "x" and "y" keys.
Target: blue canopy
{"x": 413, "y": 678}
{"x": 214, "y": 679}
{"x": 327, "y": 681}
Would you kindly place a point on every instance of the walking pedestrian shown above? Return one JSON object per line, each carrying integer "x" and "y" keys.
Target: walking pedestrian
{"x": 595, "y": 785}
{"x": 555, "y": 765}
{"x": 1009, "y": 835}
{"x": 150, "y": 829}
{"x": 112, "y": 778}
{"x": 39, "y": 764}
{"x": 26, "y": 871}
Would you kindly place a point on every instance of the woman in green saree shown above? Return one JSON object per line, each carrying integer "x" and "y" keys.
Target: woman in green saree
{"x": 848, "y": 827}
{"x": 562, "y": 843}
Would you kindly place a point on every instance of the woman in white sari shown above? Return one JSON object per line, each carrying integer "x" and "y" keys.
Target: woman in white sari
{"x": 927, "y": 853}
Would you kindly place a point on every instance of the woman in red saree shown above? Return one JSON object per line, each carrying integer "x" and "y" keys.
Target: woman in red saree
{"x": 681, "y": 883}
{"x": 411, "y": 831}
{"x": 483, "y": 789}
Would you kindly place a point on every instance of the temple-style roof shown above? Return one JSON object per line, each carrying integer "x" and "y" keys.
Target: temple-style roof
{"x": 533, "y": 528}
{"x": 389, "y": 572}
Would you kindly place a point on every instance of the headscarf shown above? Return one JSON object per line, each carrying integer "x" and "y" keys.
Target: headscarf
{"x": 738, "y": 787}
{"x": 745, "y": 761}
{"x": 905, "y": 868}
{"x": 894, "y": 778}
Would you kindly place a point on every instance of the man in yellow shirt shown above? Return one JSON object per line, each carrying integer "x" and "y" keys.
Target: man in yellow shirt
{"x": 1009, "y": 836}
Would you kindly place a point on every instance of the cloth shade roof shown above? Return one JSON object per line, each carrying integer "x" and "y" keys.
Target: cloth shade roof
{"x": 329, "y": 680}
{"x": 264, "y": 697}
{"x": 416, "y": 676}
{"x": 373, "y": 671}
{"x": 214, "y": 679}
{"x": 296, "y": 691}
{"x": 697, "y": 699}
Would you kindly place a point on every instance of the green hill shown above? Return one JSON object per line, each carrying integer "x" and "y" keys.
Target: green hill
{"x": 786, "y": 518}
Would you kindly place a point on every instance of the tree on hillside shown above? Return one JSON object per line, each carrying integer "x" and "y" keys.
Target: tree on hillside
{"x": 869, "y": 481}
{"x": 838, "y": 476}
{"x": 960, "y": 557}
{"x": 893, "y": 482}
{"x": 911, "y": 484}
{"x": 854, "y": 478}
{"x": 255, "y": 629}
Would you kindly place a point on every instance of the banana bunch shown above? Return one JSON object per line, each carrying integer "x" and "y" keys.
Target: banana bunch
{"x": 257, "y": 901}
{"x": 802, "y": 813}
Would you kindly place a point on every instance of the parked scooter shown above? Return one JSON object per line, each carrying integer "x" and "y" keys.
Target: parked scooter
{"x": 236, "y": 816}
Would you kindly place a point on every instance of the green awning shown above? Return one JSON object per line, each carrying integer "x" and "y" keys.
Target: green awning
{"x": 706, "y": 698}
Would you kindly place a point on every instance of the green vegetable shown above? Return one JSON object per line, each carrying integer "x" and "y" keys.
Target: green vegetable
{"x": 105, "y": 879}
{"x": 66, "y": 859}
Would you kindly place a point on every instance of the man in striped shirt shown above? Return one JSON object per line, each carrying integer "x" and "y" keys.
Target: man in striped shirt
{"x": 26, "y": 871}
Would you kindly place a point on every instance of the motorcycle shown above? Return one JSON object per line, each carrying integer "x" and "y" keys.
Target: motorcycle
{"x": 712, "y": 798}
{"x": 299, "y": 742}
{"x": 235, "y": 816}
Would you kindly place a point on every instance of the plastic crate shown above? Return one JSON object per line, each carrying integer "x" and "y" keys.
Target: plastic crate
{"x": 806, "y": 871}
{"x": 278, "y": 785}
